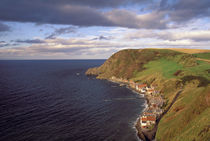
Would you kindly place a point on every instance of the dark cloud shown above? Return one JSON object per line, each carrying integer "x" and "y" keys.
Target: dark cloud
{"x": 5, "y": 44}
{"x": 200, "y": 38}
{"x": 79, "y": 13}
{"x": 185, "y": 10}
{"x": 89, "y": 3}
{"x": 102, "y": 38}
{"x": 91, "y": 12}
{"x": 99, "y": 4}
{"x": 4, "y": 27}
{"x": 43, "y": 12}
{"x": 35, "y": 41}
{"x": 124, "y": 18}
{"x": 60, "y": 31}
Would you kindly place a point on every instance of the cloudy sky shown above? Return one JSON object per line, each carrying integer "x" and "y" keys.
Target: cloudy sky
{"x": 95, "y": 29}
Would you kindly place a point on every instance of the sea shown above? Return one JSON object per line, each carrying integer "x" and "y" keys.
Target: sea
{"x": 53, "y": 100}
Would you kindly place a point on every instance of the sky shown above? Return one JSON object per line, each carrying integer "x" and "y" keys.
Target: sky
{"x": 95, "y": 29}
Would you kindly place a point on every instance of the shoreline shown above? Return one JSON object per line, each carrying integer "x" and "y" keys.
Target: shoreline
{"x": 146, "y": 135}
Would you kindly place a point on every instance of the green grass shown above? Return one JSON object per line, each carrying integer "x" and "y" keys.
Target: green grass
{"x": 203, "y": 55}
{"x": 200, "y": 70}
{"x": 197, "y": 129}
{"x": 164, "y": 66}
{"x": 124, "y": 63}
{"x": 168, "y": 67}
{"x": 169, "y": 71}
{"x": 191, "y": 120}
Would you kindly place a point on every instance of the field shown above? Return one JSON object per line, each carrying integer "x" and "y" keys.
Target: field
{"x": 190, "y": 51}
{"x": 163, "y": 66}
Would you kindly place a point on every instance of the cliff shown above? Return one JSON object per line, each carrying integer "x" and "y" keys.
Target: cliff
{"x": 169, "y": 71}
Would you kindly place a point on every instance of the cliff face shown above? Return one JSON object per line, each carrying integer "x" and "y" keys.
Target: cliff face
{"x": 169, "y": 71}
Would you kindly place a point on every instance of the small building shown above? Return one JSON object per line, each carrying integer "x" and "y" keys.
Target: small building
{"x": 147, "y": 120}
{"x": 151, "y": 120}
{"x": 140, "y": 87}
{"x": 143, "y": 91}
{"x": 143, "y": 122}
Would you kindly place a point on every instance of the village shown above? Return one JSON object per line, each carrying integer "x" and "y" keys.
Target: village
{"x": 154, "y": 102}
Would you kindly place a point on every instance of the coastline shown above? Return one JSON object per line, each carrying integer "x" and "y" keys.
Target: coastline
{"x": 177, "y": 86}
{"x": 148, "y": 135}
{"x": 153, "y": 107}
{"x": 145, "y": 135}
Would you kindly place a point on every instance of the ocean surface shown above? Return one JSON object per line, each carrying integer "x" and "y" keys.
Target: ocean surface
{"x": 53, "y": 100}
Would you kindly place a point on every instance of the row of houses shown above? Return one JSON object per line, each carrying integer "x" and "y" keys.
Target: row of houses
{"x": 144, "y": 89}
{"x": 147, "y": 120}
{"x": 153, "y": 111}
{"x": 149, "y": 117}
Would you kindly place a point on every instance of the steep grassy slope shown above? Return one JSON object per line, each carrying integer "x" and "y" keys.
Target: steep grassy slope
{"x": 188, "y": 119}
{"x": 124, "y": 63}
{"x": 170, "y": 71}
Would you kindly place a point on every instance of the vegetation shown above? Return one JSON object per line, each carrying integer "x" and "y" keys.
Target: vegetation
{"x": 170, "y": 71}
{"x": 191, "y": 51}
{"x": 165, "y": 66}
{"x": 203, "y": 82}
{"x": 188, "y": 119}
{"x": 124, "y": 63}
{"x": 203, "y": 55}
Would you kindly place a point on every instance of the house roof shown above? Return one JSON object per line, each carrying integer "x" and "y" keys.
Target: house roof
{"x": 144, "y": 119}
{"x": 148, "y": 118}
{"x": 142, "y": 85}
{"x": 151, "y": 118}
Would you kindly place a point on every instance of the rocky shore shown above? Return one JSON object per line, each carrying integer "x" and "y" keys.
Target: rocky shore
{"x": 154, "y": 102}
{"x": 170, "y": 72}
{"x": 143, "y": 133}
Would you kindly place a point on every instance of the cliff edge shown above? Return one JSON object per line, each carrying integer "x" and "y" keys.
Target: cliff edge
{"x": 169, "y": 71}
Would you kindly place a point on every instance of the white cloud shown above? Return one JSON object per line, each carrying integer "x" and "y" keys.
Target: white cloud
{"x": 171, "y": 35}
{"x": 85, "y": 47}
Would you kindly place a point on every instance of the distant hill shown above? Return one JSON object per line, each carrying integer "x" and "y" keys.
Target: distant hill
{"x": 169, "y": 70}
{"x": 190, "y": 51}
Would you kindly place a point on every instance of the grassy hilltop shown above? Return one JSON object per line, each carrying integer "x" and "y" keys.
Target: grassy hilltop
{"x": 170, "y": 71}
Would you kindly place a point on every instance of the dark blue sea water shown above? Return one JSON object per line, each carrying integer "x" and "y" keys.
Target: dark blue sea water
{"x": 54, "y": 101}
